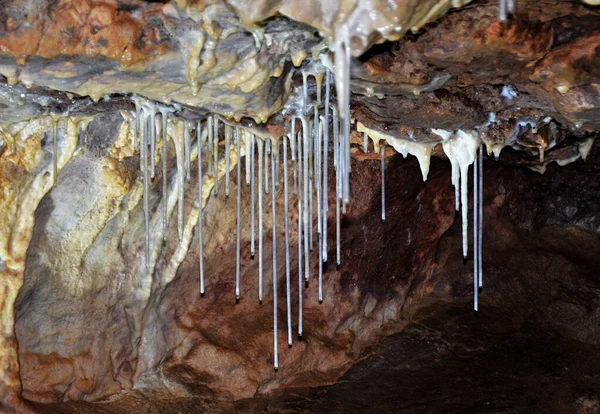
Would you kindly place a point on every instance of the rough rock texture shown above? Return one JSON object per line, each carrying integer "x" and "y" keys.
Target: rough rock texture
{"x": 204, "y": 59}
{"x": 533, "y": 347}
{"x": 458, "y": 69}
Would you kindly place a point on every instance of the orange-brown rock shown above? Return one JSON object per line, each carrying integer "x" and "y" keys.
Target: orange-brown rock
{"x": 97, "y": 28}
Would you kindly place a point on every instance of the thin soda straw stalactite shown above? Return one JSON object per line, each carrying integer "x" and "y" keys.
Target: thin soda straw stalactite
{"x": 274, "y": 255}
{"x": 216, "y": 154}
{"x": 475, "y": 236}
{"x": 382, "y": 156}
{"x": 180, "y": 178}
{"x": 187, "y": 145}
{"x": 337, "y": 186}
{"x": 152, "y": 131}
{"x": 252, "y": 194}
{"x": 300, "y": 167}
{"x": 200, "y": 210}
{"x": 165, "y": 192}
{"x": 305, "y": 196}
{"x": 325, "y": 165}
{"x": 144, "y": 162}
{"x": 238, "y": 214}
{"x": 54, "y": 152}
{"x": 227, "y": 157}
{"x": 480, "y": 216}
{"x": 260, "y": 148}
{"x": 287, "y": 241}
{"x": 320, "y": 215}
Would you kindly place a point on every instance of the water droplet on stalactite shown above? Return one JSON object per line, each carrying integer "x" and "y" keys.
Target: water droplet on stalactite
{"x": 238, "y": 209}
{"x": 382, "y": 156}
{"x": 260, "y": 218}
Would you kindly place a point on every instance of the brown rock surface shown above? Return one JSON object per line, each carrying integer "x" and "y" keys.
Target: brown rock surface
{"x": 533, "y": 346}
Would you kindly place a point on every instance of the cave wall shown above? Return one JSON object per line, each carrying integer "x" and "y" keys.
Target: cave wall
{"x": 403, "y": 280}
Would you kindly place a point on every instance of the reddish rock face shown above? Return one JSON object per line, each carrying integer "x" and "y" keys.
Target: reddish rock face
{"x": 403, "y": 281}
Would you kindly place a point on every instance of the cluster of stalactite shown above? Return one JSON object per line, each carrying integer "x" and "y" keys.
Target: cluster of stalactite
{"x": 316, "y": 136}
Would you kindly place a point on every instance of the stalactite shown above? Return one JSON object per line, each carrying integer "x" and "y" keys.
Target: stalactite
{"x": 144, "y": 161}
{"x": 475, "y": 235}
{"x": 216, "y": 153}
{"x": 309, "y": 149}
{"x": 210, "y": 147}
{"x": 480, "y": 217}
{"x": 287, "y": 240}
{"x": 342, "y": 81}
{"x": 274, "y": 254}
{"x": 163, "y": 131}
{"x": 325, "y": 164}
{"x": 306, "y": 195}
{"x": 337, "y": 185}
{"x": 382, "y": 155}
{"x": 152, "y": 130}
{"x": 54, "y": 152}
{"x": 200, "y": 210}
{"x": 300, "y": 201}
{"x": 249, "y": 155}
{"x": 227, "y": 156}
{"x": 294, "y": 159}
{"x": 238, "y": 212}
{"x": 177, "y": 140}
{"x": 252, "y": 140}
{"x": 319, "y": 208}
{"x": 267, "y": 155}
{"x": 260, "y": 218}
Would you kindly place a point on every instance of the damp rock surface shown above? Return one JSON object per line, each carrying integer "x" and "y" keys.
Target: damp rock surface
{"x": 408, "y": 338}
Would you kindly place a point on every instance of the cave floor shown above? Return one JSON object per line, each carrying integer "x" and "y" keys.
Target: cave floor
{"x": 451, "y": 361}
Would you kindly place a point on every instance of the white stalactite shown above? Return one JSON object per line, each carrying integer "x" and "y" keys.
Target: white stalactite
{"x": 237, "y": 212}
